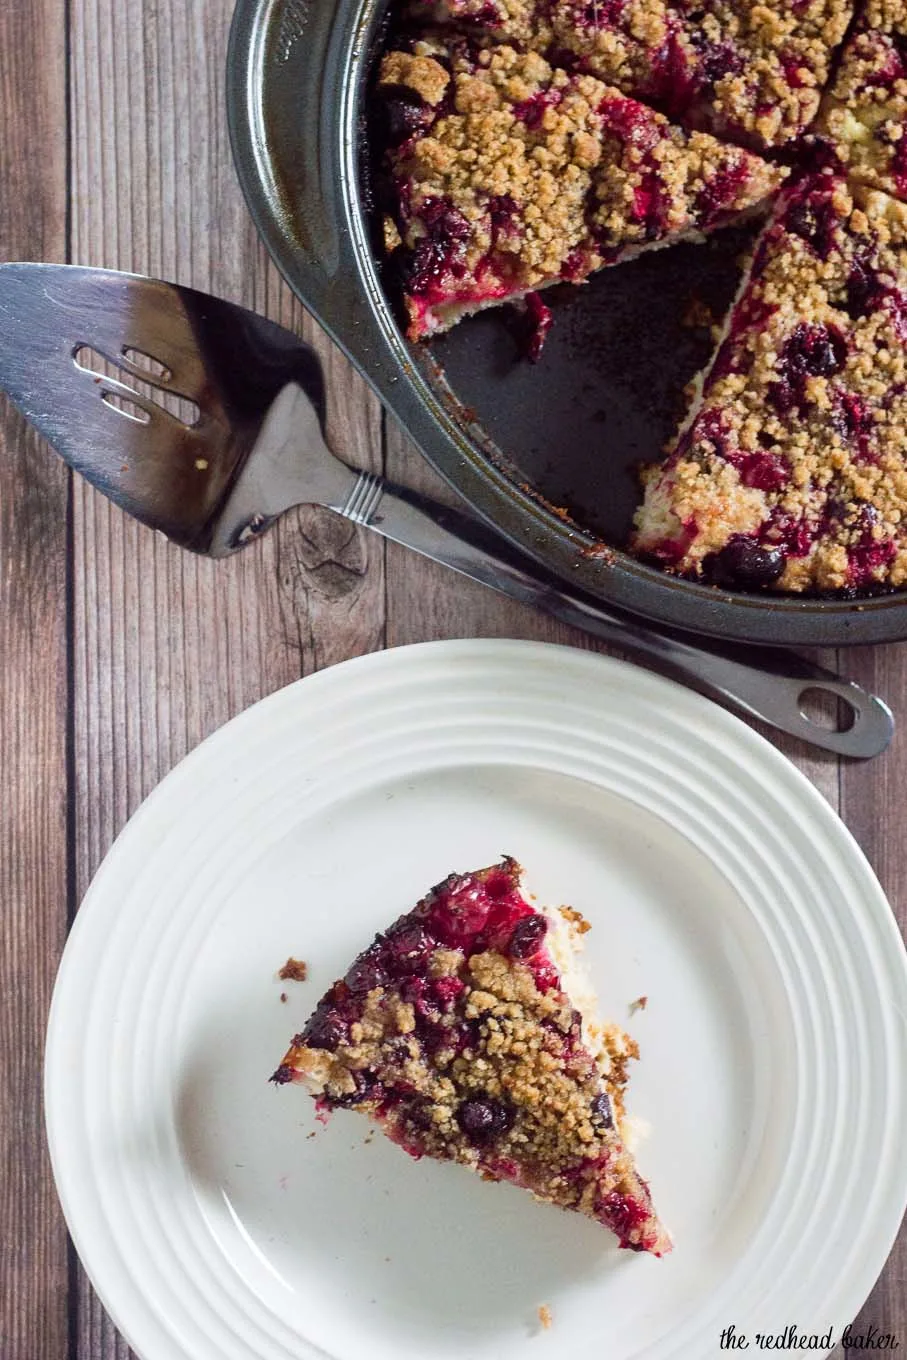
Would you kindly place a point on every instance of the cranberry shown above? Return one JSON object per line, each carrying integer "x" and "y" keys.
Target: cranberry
{"x": 710, "y": 427}
{"x": 622, "y": 1213}
{"x": 794, "y": 536}
{"x": 367, "y": 971}
{"x": 865, "y": 290}
{"x": 532, "y": 111}
{"x": 403, "y": 113}
{"x": 407, "y": 948}
{"x": 853, "y": 421}
{"x": 870, "y": 554}
{"x": 502, "y": 211}
{"x": 447, "y": 990}
{"x": 744, "y": 563}
{"x": 441, "y": 248}
{"x": 536, "y": 325}
{"x": 326, "y": 1029}
{"x": 459, "y": 912}
{"x": 482, "y": 1120}
{"x": 631, "y": 122}
{"x": 601, "y": 1110}
{"x": 673, "y": 83}
{"x": 720, "y": 193}
{"x": 718, "y": 60}
{"x": 527, "y": 937}
{"x": 813, "y": 351}
{"x": 813, "y": 219}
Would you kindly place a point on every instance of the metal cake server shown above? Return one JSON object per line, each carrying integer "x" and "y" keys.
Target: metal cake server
{"x": 212, "y": 428}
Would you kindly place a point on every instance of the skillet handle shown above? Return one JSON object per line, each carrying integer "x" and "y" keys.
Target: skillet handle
{"x": 771, "y": 686}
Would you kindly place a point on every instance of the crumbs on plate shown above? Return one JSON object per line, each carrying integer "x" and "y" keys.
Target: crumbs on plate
{"x": 639, "y": 1004}
{"x": 294, "y": 970}
{"x": 545, "y": 1318}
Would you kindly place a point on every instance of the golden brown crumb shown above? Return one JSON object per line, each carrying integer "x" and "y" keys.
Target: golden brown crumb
{"x": 545, "y": 1317}
{"x": 639, "y": 1004}
{"x": 294, "y": 970}
{"x": 576, "y": 919}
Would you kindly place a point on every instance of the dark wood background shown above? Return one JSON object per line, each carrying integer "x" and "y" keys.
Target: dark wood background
{"x": 119, "y": 653}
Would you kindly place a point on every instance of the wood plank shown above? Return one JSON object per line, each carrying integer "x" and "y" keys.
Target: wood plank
{"x": 33, "y": 654}
{"x": 168, "y": 647}
{"x": 428, "y": 601}
{"x": 872, "y": 804}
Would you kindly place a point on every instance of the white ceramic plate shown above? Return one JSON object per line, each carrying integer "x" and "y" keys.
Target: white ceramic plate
{"x": 217, "y": 1219}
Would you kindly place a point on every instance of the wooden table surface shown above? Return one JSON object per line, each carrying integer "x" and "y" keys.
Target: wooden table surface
{"x": 118, "y": 652}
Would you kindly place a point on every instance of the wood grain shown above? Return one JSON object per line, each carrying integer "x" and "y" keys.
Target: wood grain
{"x": 33, "y": 654}
{"x": 168, "y": 647}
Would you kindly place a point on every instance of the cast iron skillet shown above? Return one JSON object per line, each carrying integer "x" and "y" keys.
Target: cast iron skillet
{"x": 574, "y": 426}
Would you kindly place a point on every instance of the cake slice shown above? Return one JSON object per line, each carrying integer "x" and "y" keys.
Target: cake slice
{"x": 791, "y": 472}
{"x": 738, "y": 68}
{"x": 864, "y": 115}
{"x": 507, "y": 174}
{"x": 464, "y": 1033}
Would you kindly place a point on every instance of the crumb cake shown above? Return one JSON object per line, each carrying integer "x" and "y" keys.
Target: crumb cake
{"x": 744, "y": 69}
{"x": 456, "y": 1033}
{"x": 535, "y": 141}
{"x": 864, "y": 115}
{"x": 792, "y": 470}
{"x": 509, "y": 174}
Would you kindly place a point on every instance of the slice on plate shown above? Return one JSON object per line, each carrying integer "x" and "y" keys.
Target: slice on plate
{"x": 744, "y": 69}
{"x": 506, "y": 174}
{"x": 466, "y": 1033}
{"x": 791, "y": 471}
{"x": 864, "y": 115}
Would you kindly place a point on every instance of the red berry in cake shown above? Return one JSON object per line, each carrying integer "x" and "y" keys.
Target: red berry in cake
{"x": 473, "y": 1052}
{"x": 484, "y": 1119}
{"x": 527, "y": 937}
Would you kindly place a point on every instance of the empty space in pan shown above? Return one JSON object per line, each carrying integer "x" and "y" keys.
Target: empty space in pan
{"x": 608, "y": 390}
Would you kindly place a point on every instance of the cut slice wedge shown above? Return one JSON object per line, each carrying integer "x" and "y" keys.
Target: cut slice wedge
{"x": 791, "y": 472}
{"x": 466, "y": 1032}
{"x": 507, "y": 174}
{"x": 740, "y": 69}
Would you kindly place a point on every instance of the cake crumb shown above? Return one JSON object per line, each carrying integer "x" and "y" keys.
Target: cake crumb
{"x": 284, "y": 998}
{"x": 639, "y": 1004}
{"x": 294, "y": 970}
{"x": 545, "y": 1317}
{"x": 576, "y": 919}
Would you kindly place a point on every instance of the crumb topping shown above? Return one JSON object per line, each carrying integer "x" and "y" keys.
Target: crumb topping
{"x": 865, "y": 113}
{"x": 793, "y": 474}
{"x": 740, "y": 68}
{"x": 294, "y": 970}
{"x": 470, "y": 1051}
